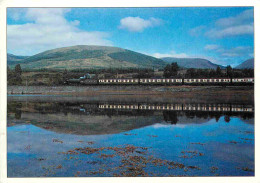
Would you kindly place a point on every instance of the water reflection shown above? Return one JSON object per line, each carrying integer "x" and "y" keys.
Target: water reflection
{"x": 101, "y": 138}
{"x": 108, "y": 118}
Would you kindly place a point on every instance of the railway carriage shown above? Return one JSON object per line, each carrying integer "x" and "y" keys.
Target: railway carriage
{"x": 163, "y": 81}
{"x": 204, "y": 81}
{"x": 118, "y": 81}
{"x": 243, "y": 81}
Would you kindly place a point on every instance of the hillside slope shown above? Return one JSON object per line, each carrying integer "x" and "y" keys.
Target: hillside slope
{"x": 14, "y": 59}
{"x": 83, "y": 57}
{"x": 248, "y": 64}
{"x": 197, "y": 63}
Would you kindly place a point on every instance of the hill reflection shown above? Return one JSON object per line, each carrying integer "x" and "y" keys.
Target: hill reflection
{"x": 110, "y": 118}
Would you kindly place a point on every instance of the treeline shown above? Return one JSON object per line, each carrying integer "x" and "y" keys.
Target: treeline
{"x": 14, "y": 77}
{"x": 173, "y": 71}
{"x": 17, "y": 76}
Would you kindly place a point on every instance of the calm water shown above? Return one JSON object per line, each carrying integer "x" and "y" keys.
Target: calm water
{"x": 66, "y": 139}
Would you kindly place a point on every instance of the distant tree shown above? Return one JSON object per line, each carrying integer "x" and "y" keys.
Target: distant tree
{"x": 174, "y": 69}
{"x": 65, "y": 75}
{"x": 167, "y": 71}
{"x": 229, "y": 71}
{"x": 248, "y": 72}
{"x": 18, "y": 74}
{"x": 191, "y": 73}
{"x": 171, "y": 70}
{"x": 199, "y": 72}
{"x": 218, "y": 72}
{"x": 212, "y": 73}
{"x": 57, "y": 79}
{"x": 9, "y": 73}
{"x": 14, "y": 77}
{"x": 18, "y": 69}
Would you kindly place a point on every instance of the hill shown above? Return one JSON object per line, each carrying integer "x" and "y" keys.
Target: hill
{"x": 14, "y": 59}
{"x": 197, "y": 63}
{"x": 84, "y": 57}
{"x": 248, "y": 64}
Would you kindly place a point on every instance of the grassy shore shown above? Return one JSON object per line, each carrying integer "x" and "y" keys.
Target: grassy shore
{"x": 205, "y": 94}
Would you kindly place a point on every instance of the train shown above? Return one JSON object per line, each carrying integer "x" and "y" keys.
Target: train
{"x": 87, "y": 80}
{"x": 180, "y": 107}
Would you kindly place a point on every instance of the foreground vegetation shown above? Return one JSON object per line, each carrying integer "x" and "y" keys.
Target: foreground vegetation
{"x": 48, "y": 77}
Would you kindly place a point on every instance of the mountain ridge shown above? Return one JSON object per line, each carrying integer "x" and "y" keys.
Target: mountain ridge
{"x": 85, "y": 56}
{"x": 92, "y": 56}
{"x": 197, "y": 63}
{"x": 247, "y": 64}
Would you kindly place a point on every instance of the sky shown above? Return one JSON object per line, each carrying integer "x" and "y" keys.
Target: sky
{"x": 223, "y": 35}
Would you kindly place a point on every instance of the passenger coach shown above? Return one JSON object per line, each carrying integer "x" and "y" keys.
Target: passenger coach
{"x": 161, "y": 81}
{"x": 118, "y": 81}
{"x": 208, "y": 81}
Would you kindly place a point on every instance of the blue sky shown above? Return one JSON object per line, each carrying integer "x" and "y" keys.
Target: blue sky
{"x": 224, "y": 35}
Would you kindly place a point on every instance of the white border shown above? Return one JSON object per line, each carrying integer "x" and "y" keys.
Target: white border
{"x": 123, "y": 3}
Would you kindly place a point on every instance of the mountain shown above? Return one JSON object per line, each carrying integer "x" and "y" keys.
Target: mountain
{"x": 248, "y": 64}
{"x": 83, "y": 57}
{"x": 14, "y": 59}
{"x": 197, "y": 63}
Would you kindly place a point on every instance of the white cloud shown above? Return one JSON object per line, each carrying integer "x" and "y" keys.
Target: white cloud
{"x": 196, "y": 31}
{"x": 75, "y": 22}
{"x": 239, "y": 51}
{"x": 49, "y": 29}
{"x": 211, "y": 47}
{"x": 171, "y": 54}
{"x": 242, "y": 18}
{"x": 137, "y": 24}
{"x": 231, "y": 31}
{"x": 242, "y": 24}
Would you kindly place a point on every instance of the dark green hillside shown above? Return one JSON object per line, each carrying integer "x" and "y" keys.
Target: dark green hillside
{"x": 136, "y": 58}
{"x": 70, "y": 54}
{"x": 196, "y": 63}
{"x": 90, "y": 57}
{"x": 248, "y": 64}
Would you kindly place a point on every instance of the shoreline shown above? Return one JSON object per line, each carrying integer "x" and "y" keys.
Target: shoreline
{"x": 182, "y": 94}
